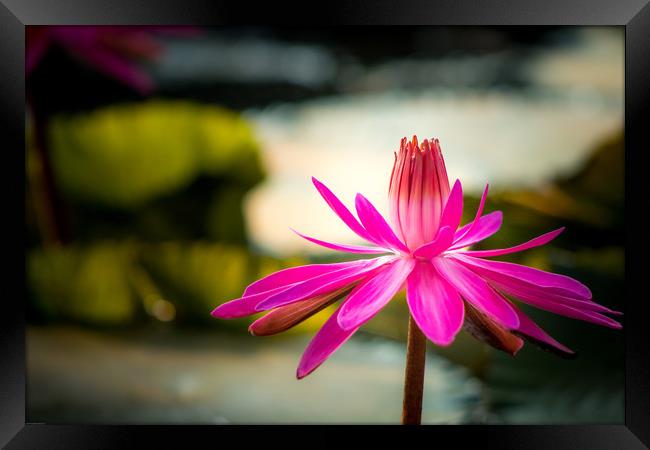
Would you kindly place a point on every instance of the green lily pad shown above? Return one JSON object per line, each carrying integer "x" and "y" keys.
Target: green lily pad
{"x": 125, "y": 155}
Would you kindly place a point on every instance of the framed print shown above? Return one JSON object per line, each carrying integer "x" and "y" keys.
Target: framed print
{"x": 343, "y": 219}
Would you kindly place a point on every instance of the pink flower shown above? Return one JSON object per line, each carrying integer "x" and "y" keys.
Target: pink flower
{"x": 109, "y": 49}
{"x": 447, "y": 285}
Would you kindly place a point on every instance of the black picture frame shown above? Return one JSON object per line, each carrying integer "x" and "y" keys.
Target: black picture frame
{"x": 633, "y": 15}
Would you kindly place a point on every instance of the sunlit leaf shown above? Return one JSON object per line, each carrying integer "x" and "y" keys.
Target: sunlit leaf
{"x": 125, "y": 155}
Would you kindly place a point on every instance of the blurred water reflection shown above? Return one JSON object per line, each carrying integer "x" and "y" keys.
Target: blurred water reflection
{"x": 209, "y": 378}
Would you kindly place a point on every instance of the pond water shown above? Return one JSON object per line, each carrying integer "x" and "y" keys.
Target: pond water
{"x": 159, "y": 376}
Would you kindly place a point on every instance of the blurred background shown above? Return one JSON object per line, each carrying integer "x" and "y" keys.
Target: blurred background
{"x": 165, "y": 165}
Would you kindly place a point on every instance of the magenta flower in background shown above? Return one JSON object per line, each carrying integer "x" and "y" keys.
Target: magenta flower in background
{"x": 426, "y": 250}
{"x": 111, "y": 50}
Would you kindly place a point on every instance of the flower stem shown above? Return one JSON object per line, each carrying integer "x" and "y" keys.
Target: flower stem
{"x": 51, "y": 204}
{"x": 414, "y": 375}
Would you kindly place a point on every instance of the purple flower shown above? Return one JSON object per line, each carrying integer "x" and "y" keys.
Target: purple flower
{"x": 447, "y": 285}
{"x": 109, "y": 49}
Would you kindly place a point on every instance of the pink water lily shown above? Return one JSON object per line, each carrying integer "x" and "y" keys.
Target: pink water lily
{"x": 425, "y": 249}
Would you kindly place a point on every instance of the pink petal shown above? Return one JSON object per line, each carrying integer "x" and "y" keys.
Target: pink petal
{"x": 36, "y": 44}
{"x": 435, "y": 305}
{"x": 275, "y": 283}
{"x": 569, "y": 311}
{"x": 486, "y": 226}
{"x": 377, "y": 225}
{"x": 436, "y": 187}
{"x": 244, "y": 306}
{"x": 453, "y": 211}
{"x": 476, "y": 291}
{"x": 394, "y": 198}
{"x": 587, "y": 316}
{"x": 540, "y": 240}
{"x": 403, "y": 197}
{"x": 115, "y": 66}
{"x": 418, "y": 189}
{"x": 414, "y": 228}
{"x": 240, "y": 307}
{"x": 136, "y": 44}
{"x": 373, "y": 293}
{"x": 285, "y": 317}
{"x": 296, "y": 274}
{"x": 322, "y": 284}
{"x": 431, "y": 206}
{"x": 531, "y": 331}
{"x": 343, "y": 247}
{"x": 344, "y": 213}
{"x": 539, "y": 296}
{"x": 469, "y": 227}
{"x": 439, "y": 245}
{"x": 499, "y": 271}
{"x": 328, "y": 339}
